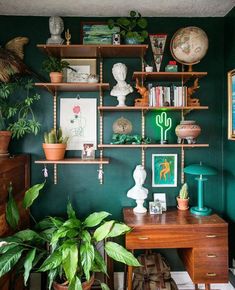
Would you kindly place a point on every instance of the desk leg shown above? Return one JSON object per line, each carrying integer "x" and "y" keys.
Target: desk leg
{"x": 207, "y": 287}
{"x": 196, "y": 287}
{"x": 129, "y": 278}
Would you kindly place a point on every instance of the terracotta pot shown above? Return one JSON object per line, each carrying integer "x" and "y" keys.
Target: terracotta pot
{"x": 85, "y": 285}
{"x": 56, "y": 77}
{"x": 54, "y": 151}
{"x": 188, "y": 130}
{"x": 5, "y": 138}
{"x": 182, "y": 203}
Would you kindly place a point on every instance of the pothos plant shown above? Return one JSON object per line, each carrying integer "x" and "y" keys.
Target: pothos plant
{"x": 16, "y": 112}
{"x": 72, "y": 253}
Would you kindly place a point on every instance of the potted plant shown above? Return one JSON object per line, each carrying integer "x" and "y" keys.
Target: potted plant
{"x": 54, "y": 66}
{"x": 54, "y": 145}
{"x": 132, "y": 28}
{"x": 183, "y": 198}
{"x": 63, "y": 248}
{"x": 16, "y": 113}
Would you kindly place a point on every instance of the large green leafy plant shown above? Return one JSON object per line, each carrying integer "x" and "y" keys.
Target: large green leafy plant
{"x": 72, "y": 253}
{"x": 16, "y": 112}
{"x": 131, "y": 27}
{"x": 54, "y": 64}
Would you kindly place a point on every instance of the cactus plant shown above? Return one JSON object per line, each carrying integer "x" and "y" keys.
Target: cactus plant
{"x": 55, "y": 137}
{"x": 184, "y": 191}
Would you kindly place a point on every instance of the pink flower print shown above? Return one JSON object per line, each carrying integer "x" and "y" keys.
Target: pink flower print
{"x": 76, "y": 109}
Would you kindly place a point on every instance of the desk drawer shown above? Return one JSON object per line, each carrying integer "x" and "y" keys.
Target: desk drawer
{"x": 211, "y": 237}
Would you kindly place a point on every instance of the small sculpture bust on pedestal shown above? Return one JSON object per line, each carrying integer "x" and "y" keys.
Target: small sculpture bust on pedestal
{"x": 56, "y": 26}
{"x": 138, "y": 192}
{"x": 121, "y": 89}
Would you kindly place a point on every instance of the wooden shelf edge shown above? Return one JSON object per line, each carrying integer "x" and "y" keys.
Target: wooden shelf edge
{"x": 152, "y": 145}
{"x": 74, "y": 161}
{"x": 132, "y": 108}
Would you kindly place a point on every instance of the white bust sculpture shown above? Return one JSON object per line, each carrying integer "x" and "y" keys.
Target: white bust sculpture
{"x": 138, "y": 192}
{"x": 121, "y": 89}
{"x": 56, "y": 26}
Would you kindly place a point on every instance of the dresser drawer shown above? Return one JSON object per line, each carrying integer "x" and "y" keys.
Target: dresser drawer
{"x": 211, "y": 237}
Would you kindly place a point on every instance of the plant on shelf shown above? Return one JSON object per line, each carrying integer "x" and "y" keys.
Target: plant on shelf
{"x": 54, "y": 145}
{"x": 63, "y": 248}
{"x": 183, "y": 198}
{"x": 16, "y": 113}
{"x": 132, "y": 28}
{"x": 54, "y": 66}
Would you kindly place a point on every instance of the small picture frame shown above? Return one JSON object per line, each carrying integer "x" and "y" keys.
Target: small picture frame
{"x": 162, "y": 198}
{"x": 155, "y": 207}
{"x": 88, "y": 151}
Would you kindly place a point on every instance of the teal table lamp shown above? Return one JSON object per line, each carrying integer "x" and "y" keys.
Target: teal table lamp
{"x": 201, "y": 170}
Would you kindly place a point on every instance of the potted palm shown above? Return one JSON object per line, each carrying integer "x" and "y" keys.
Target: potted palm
{"x": 54, "y": 145}
{"x": 16, "y": 114}
{"x": 132, "y": 28}
{"x": 54, "y": 66}
{"x": 183, "y": 198}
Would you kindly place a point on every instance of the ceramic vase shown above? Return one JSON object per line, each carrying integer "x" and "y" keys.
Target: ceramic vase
{"x": 85, "y": 285}
{"x": 182, "y": 203}
{"x": 56, "y": 77}
{"x": 54, "y": 151}
{"x": 187, "y": 130}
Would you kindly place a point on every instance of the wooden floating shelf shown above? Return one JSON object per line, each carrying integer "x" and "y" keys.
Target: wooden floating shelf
{"x": 73, "y": 87}
{"x": 74, "y": 161}
{"x": 152, "y": 145}
{"x": 115, "y": 108}
{"x": 86, "y": 51}
{"x": 169, "y": 76}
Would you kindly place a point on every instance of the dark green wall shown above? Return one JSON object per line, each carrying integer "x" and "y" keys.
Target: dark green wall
{"x": 79, "y": 182}
{"x": 229, "y": 146}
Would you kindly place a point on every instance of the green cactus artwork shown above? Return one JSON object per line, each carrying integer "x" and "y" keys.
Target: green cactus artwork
{"x": 164, "y": 123}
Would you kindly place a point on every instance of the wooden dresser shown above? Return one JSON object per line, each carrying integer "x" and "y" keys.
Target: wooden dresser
{"x": 15, "y": 170}
{"x": 202, "y": 241}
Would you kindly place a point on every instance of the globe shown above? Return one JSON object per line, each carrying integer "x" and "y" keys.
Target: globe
{"x": 189, "y": 45}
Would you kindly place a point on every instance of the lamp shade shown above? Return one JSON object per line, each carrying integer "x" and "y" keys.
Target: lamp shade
{"x": 200, "y": 169}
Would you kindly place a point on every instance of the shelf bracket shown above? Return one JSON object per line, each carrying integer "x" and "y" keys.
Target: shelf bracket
{"x": 55, "y": 173}
{"x": 54, "y": 110}
{"x": 182, "y": 165}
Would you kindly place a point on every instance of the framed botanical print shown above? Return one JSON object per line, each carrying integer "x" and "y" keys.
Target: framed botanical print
{"x": 231, "y": 105}
{"x": 164, "y": 170}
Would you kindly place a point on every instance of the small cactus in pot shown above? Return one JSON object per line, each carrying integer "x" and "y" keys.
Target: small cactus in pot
{"x": 183, "y": 198}
{"x": 55, "y": 144}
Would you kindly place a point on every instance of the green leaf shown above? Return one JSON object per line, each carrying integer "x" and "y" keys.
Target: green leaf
{"x": 118, "y": 229}
{"x": 142, "y": 23}
{"x": 28, "y": 264}
{"x": 120, "y": 254}
{"x": 102, "y": 231}
{"x": 132, "y": 13}
{"x": 95, "y": 219}
{"x": 61, "y": 233}
{"x": 72, "y": 223}
{"x": 123, "y": 21}
{"x": 75, "y": 284}
{"x": 53, "y": 261}
{"x": 85, "y": 236}
{"x": 70, "y": 260}
{"x": 7, "y": 246}
{"x": 104, "y": 286}
{"x": 9, "y": 259}
{"x": 12, "y": 212}
{"x": 70, "y": 211}
{"x": 110, "y": 23}
{"x": 31, "y": 194}
{"x": 87, "y": 255}
{"x": 100, "y": 265}
{"x": 27, "y": 235}
{"x": 51, "y": 277}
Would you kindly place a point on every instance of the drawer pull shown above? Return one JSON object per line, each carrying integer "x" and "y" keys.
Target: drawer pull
{"x": 211, "y": 274}
{"x": 211, "y": 236}
{"x": 143, "y": 238}
{"x": 211, "y": 256}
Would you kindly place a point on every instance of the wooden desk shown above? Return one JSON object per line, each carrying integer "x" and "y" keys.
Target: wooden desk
{"x": 202, "y": 241}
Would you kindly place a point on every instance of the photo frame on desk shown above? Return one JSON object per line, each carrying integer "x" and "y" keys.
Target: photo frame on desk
{"x": 164, "y": 170}
{"x": 97, "y": 33}
{"x": 231, "y": 105}
{"x": 82, "y": 68}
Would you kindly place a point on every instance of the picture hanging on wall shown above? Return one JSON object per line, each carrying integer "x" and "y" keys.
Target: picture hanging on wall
{"x": 231, "y": 105}
{"x": 164, "y": 170}
{"x": 78, "y": 122}
{"x": 158, "y": 42}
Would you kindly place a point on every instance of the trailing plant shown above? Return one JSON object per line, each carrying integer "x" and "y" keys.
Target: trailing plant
{"x": 131, "y": 27}
{"x": 55, "y": 137}
{"x": 16, "y": 113}
{"x": 184, "y": 191}
{"x": 54, "y": 64}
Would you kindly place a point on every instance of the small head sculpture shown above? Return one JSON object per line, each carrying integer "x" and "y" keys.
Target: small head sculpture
{"x": 56, "y": 25}
{"x": 119, "y": 71}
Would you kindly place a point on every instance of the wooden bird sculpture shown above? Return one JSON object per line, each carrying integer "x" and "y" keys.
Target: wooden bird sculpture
{"x": 11, "y": 59}
{"x": 143, "y": 91}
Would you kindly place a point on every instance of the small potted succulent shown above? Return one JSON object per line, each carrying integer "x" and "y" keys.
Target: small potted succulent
{"x": 132, "y": 28}
{"x": 183, "y": 198}
{"x": 54, "y": 145}
{"x": 54, "y": 66}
